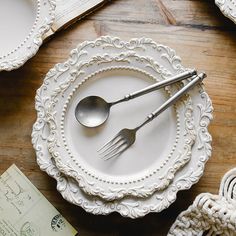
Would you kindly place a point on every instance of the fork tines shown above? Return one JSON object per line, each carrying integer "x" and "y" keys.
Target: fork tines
{"x": 113, "y": 148}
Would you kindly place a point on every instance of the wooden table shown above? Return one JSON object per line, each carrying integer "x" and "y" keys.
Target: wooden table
{"x": 200, "y": 34}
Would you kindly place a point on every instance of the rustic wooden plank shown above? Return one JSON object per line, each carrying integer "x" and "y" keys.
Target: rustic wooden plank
{"x": 197, "y": 14}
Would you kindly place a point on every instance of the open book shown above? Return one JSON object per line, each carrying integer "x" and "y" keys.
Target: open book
{"x": 69, "y": 11}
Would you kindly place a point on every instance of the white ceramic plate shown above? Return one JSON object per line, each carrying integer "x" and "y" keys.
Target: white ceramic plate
{"x": 129, "y": 206}
{"x": 162, "y": 148}
{"x": 228, "y": 8}
{"x": 22, "y": 25}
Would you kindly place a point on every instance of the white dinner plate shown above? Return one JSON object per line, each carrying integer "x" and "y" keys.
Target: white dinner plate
{"x": 162, "y": 148}
{"x": 22, "y": 25}
{"x": 128, "y": 206}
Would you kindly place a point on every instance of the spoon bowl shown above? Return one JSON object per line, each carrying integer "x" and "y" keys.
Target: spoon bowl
{"x": 92, "y": 111}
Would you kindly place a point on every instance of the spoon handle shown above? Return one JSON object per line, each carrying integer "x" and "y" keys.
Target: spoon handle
{"x": 197, "y": 79}
{"x": 157, "y": 86}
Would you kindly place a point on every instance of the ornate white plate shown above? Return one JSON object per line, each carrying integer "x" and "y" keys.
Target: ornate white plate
{"x": 128, "y": 206}
{"x": 22, "y": 25}
{"x": 228, "y": 8}
{"x": 162, "y": 148}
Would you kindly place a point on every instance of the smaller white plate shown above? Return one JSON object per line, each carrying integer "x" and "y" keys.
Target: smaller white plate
{"x": 22, "y": 25}
{"x": 228, "y": 8}
{"x": 162, "y": 147}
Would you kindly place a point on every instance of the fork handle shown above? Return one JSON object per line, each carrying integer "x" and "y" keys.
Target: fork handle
{"x": 196, "y": 79}
{"x": 158, "y": 85}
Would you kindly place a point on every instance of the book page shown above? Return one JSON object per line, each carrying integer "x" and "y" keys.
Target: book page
{"x": 24, "y": 211}
{"x": 68, "y": 11}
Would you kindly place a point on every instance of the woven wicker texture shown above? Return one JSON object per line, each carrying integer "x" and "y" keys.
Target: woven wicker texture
{"x": 210, "y": 214}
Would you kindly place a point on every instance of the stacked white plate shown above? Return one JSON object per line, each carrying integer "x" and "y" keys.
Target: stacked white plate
{"x": 23, "y": 24}
{"x": 170, "y": 153}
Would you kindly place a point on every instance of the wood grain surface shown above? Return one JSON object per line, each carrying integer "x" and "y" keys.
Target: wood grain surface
{"x": 199, "y": 33}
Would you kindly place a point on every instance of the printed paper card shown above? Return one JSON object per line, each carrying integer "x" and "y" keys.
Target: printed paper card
{"x": 24, "y": 211}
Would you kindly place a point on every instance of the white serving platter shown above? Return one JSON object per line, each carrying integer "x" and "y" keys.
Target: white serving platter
{"x": 22, "y": 25}
{"x": 129, "y": 206}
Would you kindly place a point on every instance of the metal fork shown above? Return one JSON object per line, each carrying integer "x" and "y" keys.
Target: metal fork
{"x": 126, "y": 137}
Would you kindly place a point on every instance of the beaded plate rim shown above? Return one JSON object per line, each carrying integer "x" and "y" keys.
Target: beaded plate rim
{"x": 17, "y": 57}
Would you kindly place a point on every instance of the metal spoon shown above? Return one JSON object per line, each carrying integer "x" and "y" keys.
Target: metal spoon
{"x": 93, "y": 111}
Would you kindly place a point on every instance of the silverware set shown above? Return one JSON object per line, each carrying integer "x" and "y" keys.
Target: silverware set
{"x": 93, "y": 111}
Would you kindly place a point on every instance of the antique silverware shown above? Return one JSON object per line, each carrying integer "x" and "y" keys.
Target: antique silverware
{"x": 93, "y": 111}
{"x": 126, "y": 137}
